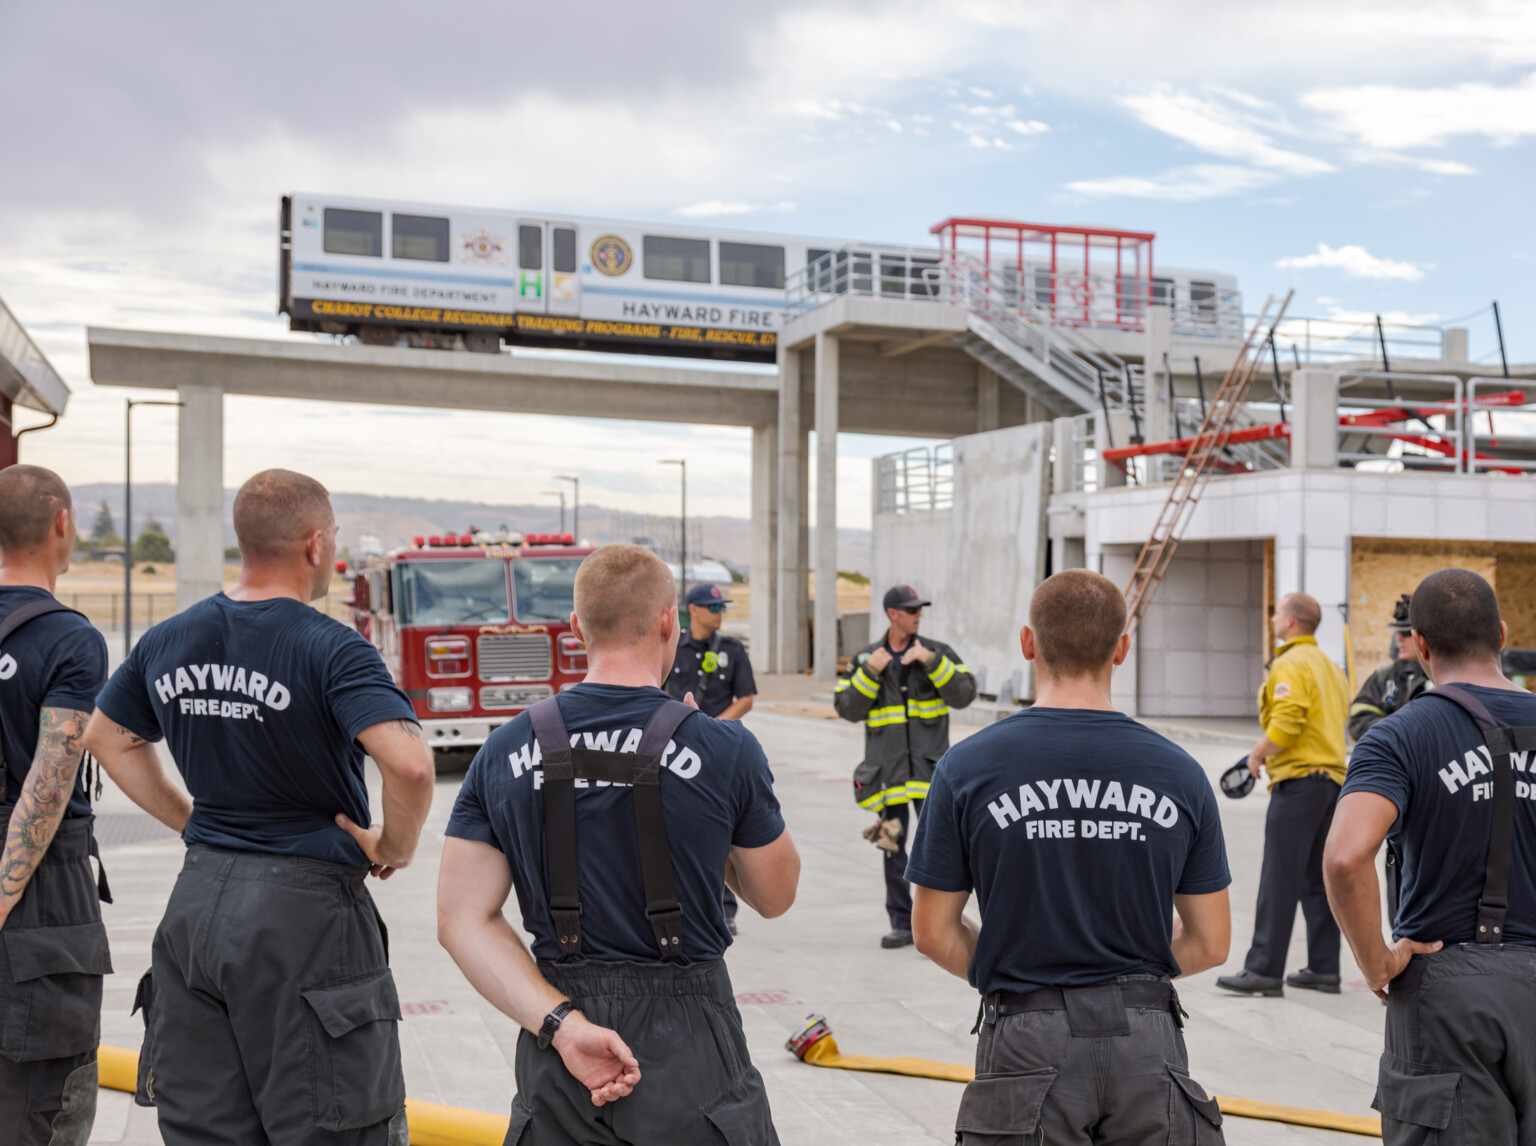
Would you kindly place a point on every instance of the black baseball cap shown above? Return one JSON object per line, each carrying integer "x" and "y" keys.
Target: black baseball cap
{"x": 1237, "y": 781}
{"x": 904, "y": 597}
{"x": 706, "y": 594}
{"x": 1399, "y": 622}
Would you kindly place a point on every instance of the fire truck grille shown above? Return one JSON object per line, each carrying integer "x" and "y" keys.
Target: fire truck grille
{"x": 513, "y": 656}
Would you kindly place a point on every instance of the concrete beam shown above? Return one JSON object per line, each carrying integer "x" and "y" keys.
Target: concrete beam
{"x": 199, "y": 494}
{"x": 825, "y": 658}
{"x": 764, "y": 551}
{"x": 396, "y": 376}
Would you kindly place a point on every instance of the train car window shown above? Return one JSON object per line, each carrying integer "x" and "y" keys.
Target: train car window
{"x": 1162, "y": 292}
{"x": 1202, "y": 299}
{"x": 530, "y": 248}
{"x": 354, "y": 232}
{"x": 677, "y": 260}
{"x": 751, "y": 265}
{"x": 419, "y": 237}
{"x": 564, "y": 252}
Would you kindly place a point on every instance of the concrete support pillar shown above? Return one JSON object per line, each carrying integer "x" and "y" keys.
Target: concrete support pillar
{"x": 825, "y": 659}
{"x": 199, "y": 494}
{"x": 987, "y": 400}
{"x": 1106, "y": 434}
{"x": 764, "y": 551}
{"x": 1456, "y": 344}
{"x": 1314, "y": 420}
{"x": 1064, "y": 456}
{"x": 1158, "y": 414}
{"x": 790, "y": 582}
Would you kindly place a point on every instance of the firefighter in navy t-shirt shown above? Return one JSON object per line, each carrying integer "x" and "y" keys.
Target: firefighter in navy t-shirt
{"x": 618, "y": 815}
{"x": 270, "y": 1010}
{"x": 1095, "y": 852}
{"x": 52, "y": 664}
{"x": 1459, "y": 977}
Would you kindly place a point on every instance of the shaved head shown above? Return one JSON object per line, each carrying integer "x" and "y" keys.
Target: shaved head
{"x": 276, "y": 512}
{"x": 619, "y": 591}
{"x": 1304, "y": 610}
{"x": 1077, "y": 616}
{"x": 30, "y": 498}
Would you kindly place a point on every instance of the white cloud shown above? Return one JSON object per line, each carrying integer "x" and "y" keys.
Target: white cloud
{"x": 1181, "y": 185}
{"x": 1391, "y": 117}
{"x": 1356, "y": 262}
{"x": 1220, "y": 130}
{"x": 1028, "y": 126}
{"x": 714, "y": 209}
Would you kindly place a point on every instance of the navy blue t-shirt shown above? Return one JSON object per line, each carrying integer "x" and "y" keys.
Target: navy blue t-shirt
{"x": 56, "y": 661}
{"x": 716, "y": 793}
{"x": 261, "y": 702}
{"x": 1429, "y": 759}
{"x": 1075, "y": 829}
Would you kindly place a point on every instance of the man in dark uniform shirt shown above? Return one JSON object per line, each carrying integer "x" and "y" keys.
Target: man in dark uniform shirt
{"x": 270, "y": 1010}
{"x": 1450, "y": 787}
{"x": 630, "y": 1027}
{"x": 53, "y": 944}
{"x": 715, "y": 669}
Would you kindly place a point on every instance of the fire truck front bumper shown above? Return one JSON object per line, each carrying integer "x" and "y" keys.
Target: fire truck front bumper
{"x": 467, "y": 733}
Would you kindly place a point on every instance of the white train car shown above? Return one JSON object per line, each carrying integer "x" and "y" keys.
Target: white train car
{"x": 473, "y": 278}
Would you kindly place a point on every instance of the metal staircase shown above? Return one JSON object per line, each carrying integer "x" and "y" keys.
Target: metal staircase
{"x": 1221, "y": 419}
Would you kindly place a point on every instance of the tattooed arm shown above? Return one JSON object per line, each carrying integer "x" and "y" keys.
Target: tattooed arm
{"x": 44, "y": 797}
{"x": 405, "y": 763}
{"x": 134, "y": 765}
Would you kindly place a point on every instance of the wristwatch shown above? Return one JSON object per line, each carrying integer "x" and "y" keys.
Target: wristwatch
{"x": 552, "y": 1023}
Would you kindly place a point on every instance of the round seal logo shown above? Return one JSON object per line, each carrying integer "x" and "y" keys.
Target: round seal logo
{"x": 484, "y": 247}
{"x": 611, "y": 255}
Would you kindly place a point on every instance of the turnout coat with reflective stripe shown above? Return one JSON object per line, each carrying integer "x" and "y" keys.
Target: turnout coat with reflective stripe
{"x": 902, "y": 736}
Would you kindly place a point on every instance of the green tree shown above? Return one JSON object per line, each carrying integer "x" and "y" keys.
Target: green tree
{"x": 152, "y": 545}
{"x": 109, "y": 540}
{"x": 103, "y": 526}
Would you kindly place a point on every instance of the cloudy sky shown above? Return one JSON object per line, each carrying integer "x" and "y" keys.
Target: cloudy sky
{"x": 1375, "y": 156}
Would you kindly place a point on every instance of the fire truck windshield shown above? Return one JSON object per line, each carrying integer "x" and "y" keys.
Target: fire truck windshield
{"x": 452, "y": 592}
{"x": 544, "y": 588}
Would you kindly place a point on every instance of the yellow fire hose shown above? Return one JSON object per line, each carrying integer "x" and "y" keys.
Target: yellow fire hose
{"x": 815, "y": 1045}
{"x": 431, "y": 1124}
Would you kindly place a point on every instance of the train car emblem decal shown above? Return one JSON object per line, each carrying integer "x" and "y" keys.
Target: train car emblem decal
{"x": 484, "y": 247}
{"x": 611, "y": 255}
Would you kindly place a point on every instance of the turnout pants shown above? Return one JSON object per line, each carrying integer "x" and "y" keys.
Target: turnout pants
{"x": 270, "y": 1011}
{"x": 1460, "y": 1061}
{"x": 898, "y": 893}
{"x": 53, "y": 954}
{"x": 697, "y": 1087}
{"x": 1085, "y": 1065}
{"x": 1295, "y": 830}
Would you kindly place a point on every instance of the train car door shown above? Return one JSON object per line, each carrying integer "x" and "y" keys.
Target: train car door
{"x": 547, "y": 280}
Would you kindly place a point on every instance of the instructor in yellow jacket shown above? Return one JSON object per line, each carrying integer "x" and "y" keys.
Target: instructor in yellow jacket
{"x": 1302, "y": 708}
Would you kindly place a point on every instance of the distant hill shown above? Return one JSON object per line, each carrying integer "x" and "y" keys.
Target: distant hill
{"x": 395, "y": 520}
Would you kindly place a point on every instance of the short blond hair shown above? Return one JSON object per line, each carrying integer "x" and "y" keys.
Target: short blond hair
{"x": 1077, "y": 616}
{"x": 276, "y": 511}
{"x": 1305, "y": 610}
{"x": 619, "y": 591}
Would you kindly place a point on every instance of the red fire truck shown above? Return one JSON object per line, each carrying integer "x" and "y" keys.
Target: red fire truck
{"x": 475, "y": 628}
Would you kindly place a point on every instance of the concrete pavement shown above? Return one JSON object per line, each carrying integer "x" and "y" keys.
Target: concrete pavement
{"x": 1304, "y": 1050}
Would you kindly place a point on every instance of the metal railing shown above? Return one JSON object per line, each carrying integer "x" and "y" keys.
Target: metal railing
{"x": 919, "y": 479}
{"x": 1308, "y": 341}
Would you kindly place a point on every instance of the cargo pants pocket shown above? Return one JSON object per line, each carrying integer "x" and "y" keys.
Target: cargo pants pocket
{"x": 741, "y": 1116}
{"x": 50, "y": 1001}
{"x": 144, "y": 1000}
{"x": 1003, "y": 1109}
{"x": 1417, "y": 1103}
{"x": 518, "y": 1126}
{"x": 1194, "y": 1117}
{"x": 354, "y": 1052}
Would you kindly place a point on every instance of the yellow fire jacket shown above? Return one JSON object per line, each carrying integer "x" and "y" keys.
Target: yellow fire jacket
{"x": 1302, "y": 707}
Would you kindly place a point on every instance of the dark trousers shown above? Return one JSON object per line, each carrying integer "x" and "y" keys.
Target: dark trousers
{"x": 1047, "y": 1076}
{"x": 898, "y": 893}
{"x": 698, "y": 1085}
{"x": 53, "y": 954}
{"x": 1460, "y": 1061}
{"x": 1295, "y": 830}
{"x": 270, "y": 1012}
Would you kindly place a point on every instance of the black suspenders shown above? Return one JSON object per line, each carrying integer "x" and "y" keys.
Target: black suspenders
{"x": 641, "y": 770}
{"x": 1493, "y": 905}
{"x": 14, "y": 620}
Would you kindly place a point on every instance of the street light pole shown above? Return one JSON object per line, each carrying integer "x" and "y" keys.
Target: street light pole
{"x": 682, "y": 565}
{"x": 560, "y": 493}
{"x": 575, "y": 506}
{"x": 128, "y": 519}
